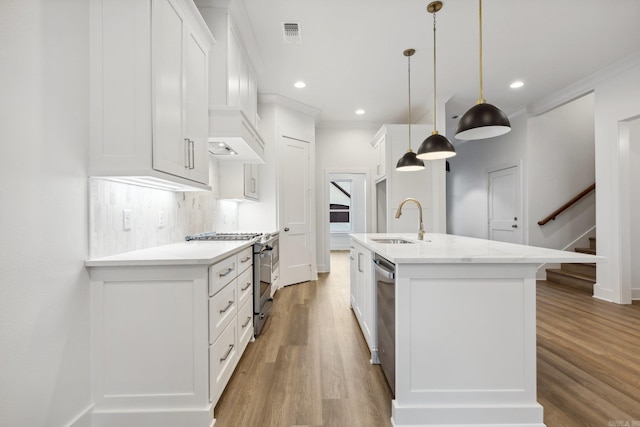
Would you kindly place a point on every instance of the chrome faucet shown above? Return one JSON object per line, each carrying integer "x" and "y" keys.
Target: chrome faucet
{"x": 399, "y": 212}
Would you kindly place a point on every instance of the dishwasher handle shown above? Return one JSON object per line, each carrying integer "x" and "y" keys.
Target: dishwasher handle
{"x": 381, "y": 270}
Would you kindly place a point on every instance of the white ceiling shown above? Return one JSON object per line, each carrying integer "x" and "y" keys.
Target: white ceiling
{"x": 351, "y": 51}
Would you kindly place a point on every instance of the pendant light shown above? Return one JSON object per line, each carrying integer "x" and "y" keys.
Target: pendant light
{"x": 436, "y": 146}
{"x": 482, "y": 120}
{"x": 409, "y": 162}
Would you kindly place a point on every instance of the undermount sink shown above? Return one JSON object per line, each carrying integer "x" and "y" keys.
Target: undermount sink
{"x": 392, "y": 241}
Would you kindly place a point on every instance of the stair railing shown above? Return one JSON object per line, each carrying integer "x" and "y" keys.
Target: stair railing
{"x": 567, "y": 205}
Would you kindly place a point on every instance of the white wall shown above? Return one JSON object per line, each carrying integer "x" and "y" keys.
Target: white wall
{"x": 560, "y": 161}
{"x": 339, "y": 150}
{"x": 556, "y": 151}
{"x": 634, "y": 205}
{"x": 616, "y": 101}
{"x": 467, "y": 208}
{"x": 44, "y": 289}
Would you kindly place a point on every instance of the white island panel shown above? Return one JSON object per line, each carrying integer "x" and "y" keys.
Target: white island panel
{"x": 479, "y": 345}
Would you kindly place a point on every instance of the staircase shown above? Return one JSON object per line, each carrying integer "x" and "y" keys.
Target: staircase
{"x": 577, "y": 276}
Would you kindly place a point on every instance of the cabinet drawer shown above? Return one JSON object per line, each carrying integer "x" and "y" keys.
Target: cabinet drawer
{"x": 223, "y": 356}
{"x": 223, "y": 307}
{"x": 245, "y": 326}
{"x": 245, "y": 287}
{"x": 245, "y": 259}
{"x": 222, "y": 273}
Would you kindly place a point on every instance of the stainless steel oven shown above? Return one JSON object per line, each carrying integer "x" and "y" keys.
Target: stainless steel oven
{"x": 266, "y": 253}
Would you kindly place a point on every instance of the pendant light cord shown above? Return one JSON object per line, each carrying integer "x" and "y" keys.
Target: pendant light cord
{"x": 435, "y": 132}
{"x": 409, "y": 85}
{"x": 481, "y": 99}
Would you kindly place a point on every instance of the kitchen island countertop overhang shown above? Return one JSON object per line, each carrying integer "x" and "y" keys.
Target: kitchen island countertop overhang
{"x": 451, "y": 249}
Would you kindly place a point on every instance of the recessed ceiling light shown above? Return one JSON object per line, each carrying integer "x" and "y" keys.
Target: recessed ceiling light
{"x": 516, "y": 84}
{"x": 360, "y": 112}
{"x": 300, "y": 84}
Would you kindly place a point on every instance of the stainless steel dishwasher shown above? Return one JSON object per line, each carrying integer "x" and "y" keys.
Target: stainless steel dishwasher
{"x": 385, "y": 274}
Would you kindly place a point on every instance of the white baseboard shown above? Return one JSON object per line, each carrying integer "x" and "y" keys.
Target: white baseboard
{"x": 635, "y": 293}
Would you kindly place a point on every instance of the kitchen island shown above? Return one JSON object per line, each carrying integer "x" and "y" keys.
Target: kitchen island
{"x": 465, "y": 326}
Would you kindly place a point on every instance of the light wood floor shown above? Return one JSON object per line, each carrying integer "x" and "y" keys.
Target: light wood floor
{"x": 310, "y": 367}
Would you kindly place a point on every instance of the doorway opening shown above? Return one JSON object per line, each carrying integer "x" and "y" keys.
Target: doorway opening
{"x": 346, "y": 209}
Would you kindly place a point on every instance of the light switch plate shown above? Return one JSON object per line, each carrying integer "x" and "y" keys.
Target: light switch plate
{"x": 161, "y": 218}
{"x": 126, "y": 219}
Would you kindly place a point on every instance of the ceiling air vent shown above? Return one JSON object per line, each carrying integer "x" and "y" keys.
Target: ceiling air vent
{"x": 292, "y": 32}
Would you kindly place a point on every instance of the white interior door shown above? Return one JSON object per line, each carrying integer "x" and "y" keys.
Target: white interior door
{"x": 504, "y": 205}
{"x": 295, "y": 236}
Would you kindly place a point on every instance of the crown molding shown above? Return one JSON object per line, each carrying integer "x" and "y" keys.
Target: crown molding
{"x": 583, "y": 86}
{"x": 270, "y": 98}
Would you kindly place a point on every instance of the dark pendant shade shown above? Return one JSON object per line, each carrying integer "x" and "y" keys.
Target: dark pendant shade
{"x": 409, "y": 162}
{"x": 436, "y": 147}
{"x": 483, "y": 121}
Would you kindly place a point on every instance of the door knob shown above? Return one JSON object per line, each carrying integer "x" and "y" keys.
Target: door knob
{"x": 286, "y": 229}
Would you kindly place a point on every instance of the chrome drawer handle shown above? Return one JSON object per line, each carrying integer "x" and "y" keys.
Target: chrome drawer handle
{"x": 227, "y": 307}
{"x": 229, "y": 270}
{"x": 228, "y": 353}
{"x": 246, "y": 287}
{"x": 247, "y": 322}
{"x": 243, "y": 260}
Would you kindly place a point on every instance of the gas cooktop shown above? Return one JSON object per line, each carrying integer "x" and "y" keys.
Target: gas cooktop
{"x": 212, "y": 235}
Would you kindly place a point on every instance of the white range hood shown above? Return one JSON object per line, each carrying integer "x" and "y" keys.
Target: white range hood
{"x": 229, "y": 126}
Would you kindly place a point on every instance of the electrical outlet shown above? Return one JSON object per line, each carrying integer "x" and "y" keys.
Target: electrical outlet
{"x": 126, "y": 219}
{"x": 161, "y": 218}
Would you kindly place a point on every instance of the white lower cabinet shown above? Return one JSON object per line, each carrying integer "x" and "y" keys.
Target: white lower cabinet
{"x": 245, "y": 325}
{"x": 223, "y": 357}
{"x": 167, "y": 338}
{"x": 223, "y": 309}
{"x": 363, "y": 294}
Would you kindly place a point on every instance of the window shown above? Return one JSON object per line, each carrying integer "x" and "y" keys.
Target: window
{"x": 340, "y": 206}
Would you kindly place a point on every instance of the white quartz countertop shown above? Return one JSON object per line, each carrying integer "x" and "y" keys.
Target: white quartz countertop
{"x": 451, "y": 249}
{"x": 184, "y": 253}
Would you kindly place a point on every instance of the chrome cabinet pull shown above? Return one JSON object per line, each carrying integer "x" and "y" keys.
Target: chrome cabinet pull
{"x": 192, "y": 158}
{"x": 228, "y": 353}
{"x": 187, "y": 154}
{"x": 243, "y": 260}
{"x": 246, "y": 287}
{"x": 224, "y": 310}
{"x": 229, "y": 270}
{"x": 247, "y": 322}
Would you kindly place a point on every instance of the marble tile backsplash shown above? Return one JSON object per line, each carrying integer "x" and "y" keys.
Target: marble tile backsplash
{"x": 183, "y": 213}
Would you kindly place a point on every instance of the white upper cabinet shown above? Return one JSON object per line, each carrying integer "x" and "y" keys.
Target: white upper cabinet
{"x": 149, "y": 93}
{"x": 233, "y": 90}
{"x": 379, "y": 143}
{"x": 239, "y": 181}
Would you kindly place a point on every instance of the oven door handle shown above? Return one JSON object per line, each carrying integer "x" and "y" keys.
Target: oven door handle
{"x": 266, "y": 248}
{"x": 265, "y": 313}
